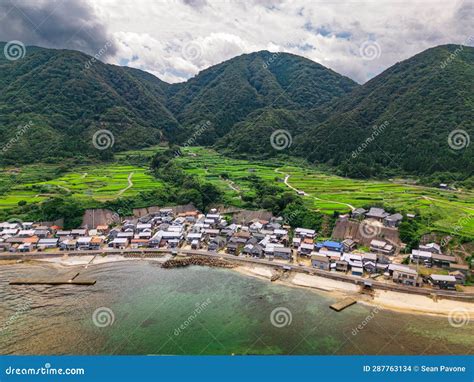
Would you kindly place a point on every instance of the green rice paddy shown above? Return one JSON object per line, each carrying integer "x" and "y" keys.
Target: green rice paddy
{"x": 99, "y": 182}
{"x": 450, "y": 211}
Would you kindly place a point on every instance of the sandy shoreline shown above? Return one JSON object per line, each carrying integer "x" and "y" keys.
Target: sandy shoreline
{"x": 397, "y": 301}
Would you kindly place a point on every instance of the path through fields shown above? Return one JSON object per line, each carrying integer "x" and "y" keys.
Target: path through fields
{"x": 301, "y": 192}
{"x": 130, "y": 184}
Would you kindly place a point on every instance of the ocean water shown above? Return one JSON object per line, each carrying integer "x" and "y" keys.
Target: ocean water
{"x": 137, "y": 307}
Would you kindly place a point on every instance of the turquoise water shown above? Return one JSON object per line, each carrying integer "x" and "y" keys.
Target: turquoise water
{"x": 144, "y": 309}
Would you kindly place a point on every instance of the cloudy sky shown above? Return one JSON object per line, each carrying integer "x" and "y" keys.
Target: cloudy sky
{"x": 175, "y": 39}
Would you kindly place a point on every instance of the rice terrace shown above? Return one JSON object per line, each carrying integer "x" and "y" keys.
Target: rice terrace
{"x": 128, "y": 175}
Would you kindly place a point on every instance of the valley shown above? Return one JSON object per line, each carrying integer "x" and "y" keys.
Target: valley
{"x": 444, "y": 211}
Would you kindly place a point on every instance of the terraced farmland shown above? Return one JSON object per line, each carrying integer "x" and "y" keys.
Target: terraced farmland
{"x": 451, "y": 211}
{"x": 103, "y": 182}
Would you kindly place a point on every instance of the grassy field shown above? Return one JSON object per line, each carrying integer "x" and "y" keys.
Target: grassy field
{"x": 450, "y": 211}
{"x": 101, "y": 182}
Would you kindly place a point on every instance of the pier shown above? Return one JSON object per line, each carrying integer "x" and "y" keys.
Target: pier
{"x": 343, "y": 304}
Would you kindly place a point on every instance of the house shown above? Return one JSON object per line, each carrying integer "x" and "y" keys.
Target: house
{"x": 75, "y": 233}
{"x": 404, "y": 275}
{"x": 421, "y": 257}
{"x": 354, "y": 260}
{"x": 304, "y": 232}
{"x": 196, "y": 244}
{"x": 144, "y": 235}
{"x": 26, "y": 233}
{"x": 84, "y": 242}
{"x": 296, "y": 242}
{"x": 460, "y": 277}
{"x": 232, "y": 248}
{"x": 349, "y": 245}
{"x": 320, "y": 262}
{"x": 368, "y": 257}
{"x": 305, "y": 249}
{"x": 370, "y": 267}
{"x": 42, "y": 233}
{"x": 330, "y": 245}
{"x": 119, "y": 243}
{"x": 358, "y": 213}
{"x": 125, "y": 235}
{"x": 139, "y": 243}
{"x": 342, "y": 266}
{"x": 393, "y": 220}
{"x": 143, "y": 226}
{"x": 216, "y": 243}
{"x": 47, "y": 243}
{"x": 381, "y": 246}
{"x": 61, "y": 234}
{"x": 431, "y": 247}
{"x": 442, "y": 261}
{"x": 443, "y": 281}
{"x": 96, "y": 242}
{"x": 102, "y": 229}
{"x": 212, "y": 233}
{"x": 280, "y": 233}
{"x": 377, "y": 214}
{"x": 333, "y": 255}
{"x": 192, "y": 236}
{"x": 282, "y": 253}
{"x": 254, "y": 250}
{"x": 25, "y": 247}
{"x": 357, "y": 271}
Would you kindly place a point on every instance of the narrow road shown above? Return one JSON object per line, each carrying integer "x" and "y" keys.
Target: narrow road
{"x": 130, "y": 184}
{"x": 301, "y": 192}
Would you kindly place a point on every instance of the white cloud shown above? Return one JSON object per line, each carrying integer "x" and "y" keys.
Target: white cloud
{"x": 175, "y": 39}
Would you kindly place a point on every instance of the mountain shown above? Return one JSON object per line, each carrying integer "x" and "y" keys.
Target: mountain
{"x": 227, "y": 93}
{"x": 399, "y": 122}
{"x": 402, "y": 119}
{"x": 53, "y": 101}
{"x": 60, "y": 98}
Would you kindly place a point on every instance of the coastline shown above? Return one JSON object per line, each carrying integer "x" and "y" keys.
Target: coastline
{"x": 396, "y": 301}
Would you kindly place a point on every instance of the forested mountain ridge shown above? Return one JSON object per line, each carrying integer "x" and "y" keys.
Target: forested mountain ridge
{"x": 63, "y": 97}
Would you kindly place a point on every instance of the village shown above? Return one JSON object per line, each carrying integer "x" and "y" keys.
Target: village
{"x": 360, "y": 246}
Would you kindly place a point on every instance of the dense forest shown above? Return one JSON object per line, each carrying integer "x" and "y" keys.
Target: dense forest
{"x": 53, "y": 103}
